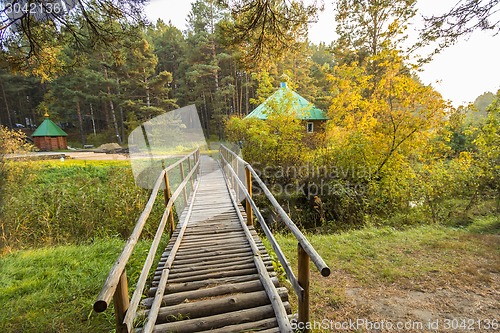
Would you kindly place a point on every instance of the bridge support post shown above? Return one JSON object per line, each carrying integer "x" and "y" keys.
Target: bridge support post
{"x": 232, "y": 176}
{"x": 121, "y": 303}
{"x": 184, "y": 189}
{"x": 189, "y": 168}
{"x": 303, "y": 279}
{"x": 167, "y": 195}
{"x": 248, "y": 206}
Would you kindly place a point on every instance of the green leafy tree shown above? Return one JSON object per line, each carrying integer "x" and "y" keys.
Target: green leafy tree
{"x": 265, "y": 87}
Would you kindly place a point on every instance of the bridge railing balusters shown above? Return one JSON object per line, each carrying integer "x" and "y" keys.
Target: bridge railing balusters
{"x": 306, "y": 251}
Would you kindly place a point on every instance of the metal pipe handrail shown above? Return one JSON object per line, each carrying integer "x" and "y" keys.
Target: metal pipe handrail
{"x": 114, "y": 276}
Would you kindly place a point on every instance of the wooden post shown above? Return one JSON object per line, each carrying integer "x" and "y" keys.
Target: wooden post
{"x": 303, "y": 279}
{"x": 189, "y": 168}
{"x": 232, "y": 176}
{"x": 168, "y": 194}
{"x": 121, "y": 303}
{"x": 184, "y": 189}
{"x": 248, "y": 207}
{"x": 199, "y": 165}
{"x": 237, "y": 188}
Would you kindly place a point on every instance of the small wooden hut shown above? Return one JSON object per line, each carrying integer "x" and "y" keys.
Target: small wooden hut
{"x": 312, "y": 117}
{"x": 49, "y": 136}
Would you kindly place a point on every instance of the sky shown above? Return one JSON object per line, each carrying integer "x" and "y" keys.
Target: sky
{"x": 460, "y": 73}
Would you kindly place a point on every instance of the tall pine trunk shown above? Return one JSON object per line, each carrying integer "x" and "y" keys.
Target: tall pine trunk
{"x": 112, "y": 106}
{"x": 80, "y": 122}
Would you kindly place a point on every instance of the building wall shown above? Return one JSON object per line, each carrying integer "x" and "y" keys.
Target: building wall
{"x": 317, "y": 124}
{"x": 50, "y": 142}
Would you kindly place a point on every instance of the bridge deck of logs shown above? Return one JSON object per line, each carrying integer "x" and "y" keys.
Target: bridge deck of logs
{"x": 214, "y": 283}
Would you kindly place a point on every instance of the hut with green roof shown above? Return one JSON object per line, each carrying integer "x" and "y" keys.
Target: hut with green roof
{"x": 49, "y": 136}
{"x": 312, "y": 117}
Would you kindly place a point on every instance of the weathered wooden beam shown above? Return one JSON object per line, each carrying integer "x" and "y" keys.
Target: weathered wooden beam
{"x": 217, "y": 321}
{"x": 216, "y": 260}
{"x": 211, "y": 270}
{"x": 205, "y": 308}
{"x": 313, "y": 254}
{"x": 121, "y": 303}
{"x": 272, "y": 293}
{"x": 168, "y": 194}
{"x": 249, "y": 212}
{"x": 111, "y": 283}
{"x": 151, "y": 318}
{"x": 249, "y": 327}
{"x": 184, "y": 191}
{"x": 173, "y": 288}
{"x": 222, "y": 264}
{"x": 219, "y": 290}
{"x": 141, "y": 282}
{"x": 274, "y": 244}
{"x": 303, "y": 277}
{"x": 227, "y": 273}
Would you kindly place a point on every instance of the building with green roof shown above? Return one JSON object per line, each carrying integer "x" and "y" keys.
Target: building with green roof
{"x": 49, "y": 136}
{"x": 298, "y": 105}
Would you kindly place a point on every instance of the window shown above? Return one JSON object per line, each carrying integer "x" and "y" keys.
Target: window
{"x": 310, "y": 127}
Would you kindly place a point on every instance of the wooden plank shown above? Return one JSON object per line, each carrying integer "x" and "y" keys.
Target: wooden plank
{"x": 217, "y": 321}
{"x": 211, "y": 270}
{"x": 223, "y": 264}
{"x": 195, "y": 264}
{"x": 195, "y": 285}
{"x": 219, "y": 290}
{"x": 208, "y": 307}
{"x": 249, "y": 327}
{"x": 215, "y": 275}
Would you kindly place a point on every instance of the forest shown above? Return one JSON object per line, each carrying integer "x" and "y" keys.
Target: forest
{"x": 392, "y": 147}
{"x": 392, "y": 144}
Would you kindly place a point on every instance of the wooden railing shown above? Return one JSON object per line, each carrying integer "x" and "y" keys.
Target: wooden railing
{"x": 306, "y": 252}
{"x": 116, "y": 285}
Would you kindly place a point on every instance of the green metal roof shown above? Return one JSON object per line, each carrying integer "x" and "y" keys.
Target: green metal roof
{"x": 49, "y": 128}
{"x": 299, "y": 105}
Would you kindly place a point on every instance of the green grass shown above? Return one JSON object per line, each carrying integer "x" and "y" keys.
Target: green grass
{"x": 419, "y": 258}
{"x": 52, "y": 202}
{"x": 387, "y": 255}
{"x": 53, "y": 289}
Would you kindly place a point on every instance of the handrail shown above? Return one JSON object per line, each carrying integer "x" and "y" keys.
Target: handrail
{"x": 117, "y": 276}
{"x": 276, "y": 302}
{"x": 305, "y": 250}
{"x": 141, "y": 283}
{"x": 277, "y": 249}
{"x": 315, "y": 257}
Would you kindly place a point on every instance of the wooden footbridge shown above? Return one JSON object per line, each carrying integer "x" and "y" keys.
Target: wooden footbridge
{"x": 215, "y": 274}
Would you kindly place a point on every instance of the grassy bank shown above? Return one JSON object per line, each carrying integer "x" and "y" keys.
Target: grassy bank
{"x": 52, "y": 202}
{"x": 52, "y": 289}
{"x": 374, "y": 264}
